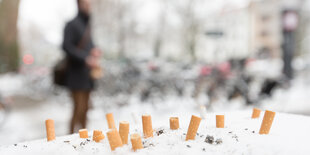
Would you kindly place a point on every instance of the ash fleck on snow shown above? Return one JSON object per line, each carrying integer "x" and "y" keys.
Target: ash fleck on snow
{"x": 209, "y": 139}
{"x": 218, "y": 141}
{"x": 235, "y": 137}
{"x": 159, "y": 132}
{"x": 147, "y": 143}
{"x": 74, "y": 146}
{"x": 83, "y": 143}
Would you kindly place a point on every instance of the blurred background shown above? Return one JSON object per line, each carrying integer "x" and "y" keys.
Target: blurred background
{"x": 159, "y": 56}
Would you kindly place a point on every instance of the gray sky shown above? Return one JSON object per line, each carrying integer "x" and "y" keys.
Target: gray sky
{"x": 47, "y": 15}
{"x": 50, "y": 15}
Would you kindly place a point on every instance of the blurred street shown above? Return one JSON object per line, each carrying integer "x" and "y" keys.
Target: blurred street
{"x": 27, "y": 110}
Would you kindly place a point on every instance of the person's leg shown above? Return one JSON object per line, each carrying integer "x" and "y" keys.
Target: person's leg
{"x": 74, "y": 119}
{"x": 84, "y": 109}
{"x": 79, "y": 117}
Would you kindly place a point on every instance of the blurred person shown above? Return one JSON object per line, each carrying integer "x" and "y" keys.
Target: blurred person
{"x": 82, "y": 56}
{"x": 290, "y": 25}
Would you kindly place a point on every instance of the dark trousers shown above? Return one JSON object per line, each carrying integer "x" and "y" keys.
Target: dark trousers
{"x": 80, "y": 100}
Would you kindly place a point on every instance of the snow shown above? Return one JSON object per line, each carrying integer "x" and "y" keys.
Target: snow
{"x": 292, "y": 100}
{"x": 25, "y": 121}
{"x": 10, "y": 84}
{"x": 288, "y": 135}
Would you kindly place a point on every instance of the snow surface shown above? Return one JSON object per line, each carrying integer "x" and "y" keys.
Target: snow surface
{"x": 240, "y": 136}
{"x": 292, "y": 100}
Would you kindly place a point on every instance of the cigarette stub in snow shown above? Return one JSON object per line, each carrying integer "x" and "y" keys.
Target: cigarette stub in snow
{"x": 220, "y": 119}
{"x": 256, "y": 113}
{"x": 136, "y": 141}
{"x": 193, "y": 127}
{"x": 50, "y": 129}
{"x": 110, "y": 119}
{"x": 267, "y": 122}
{"x": 83, "y": 133}
{"x": 124, "y": 131}
{"x": 174, "y": 123}
{"x": 98, "y": 136}
{"x": 114, "y": 139}
{"x": 147, "y": 126}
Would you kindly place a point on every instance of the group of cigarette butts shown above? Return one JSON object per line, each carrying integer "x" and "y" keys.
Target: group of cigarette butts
{"x": 119, "y": 138}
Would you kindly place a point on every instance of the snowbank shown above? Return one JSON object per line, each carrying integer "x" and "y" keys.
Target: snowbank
{"x": 10, "y": 84}
{"x": 289, "y": 135}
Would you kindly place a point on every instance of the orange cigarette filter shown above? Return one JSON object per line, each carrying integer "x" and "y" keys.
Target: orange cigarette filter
{"x": 136, "y": 141}
{"x": 193, "y": 127}
{"x": 50, "y": 129}
{"x": 256, "y": 113}
{"x": 267, "y": 122}
{"x": 114, "y": 139}
{"x": 220, "y": 121}
{"x": 174, "y": 123}
{"x": 110, "y": 119}
{"x": 83, "y": 133}
{"x": 147, "y": 126}
{"x": 98, "y": 136}
{"x": 101, "y": 137}
{"x": 124, "y": 131}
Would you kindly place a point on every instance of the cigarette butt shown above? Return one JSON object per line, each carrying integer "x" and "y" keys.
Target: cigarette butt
{"x": 136, "y": 141}
{"x": 147, "y": 126}
{"x": 124, "y": 131}
{"x": 114, "y": 139}
{"x": 97, "y": 136}
{"x": 83, "y": 133}
{"x": 50, "y": 129}
{"x": 110, "y": 119}
{"x": 220, "y": 121}
{"x": 267, "y": 122}
{"x": 256, "y": 113}
{"x": 193, "y": 127}
{"x": 174, "y": 123}
{"x": 101, "y": 137}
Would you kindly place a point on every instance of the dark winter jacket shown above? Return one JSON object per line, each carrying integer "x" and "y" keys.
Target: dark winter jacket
{"x": 78, "y": 73}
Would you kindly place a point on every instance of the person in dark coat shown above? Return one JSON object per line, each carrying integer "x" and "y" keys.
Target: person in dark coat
{"x": 82, "y": 56}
